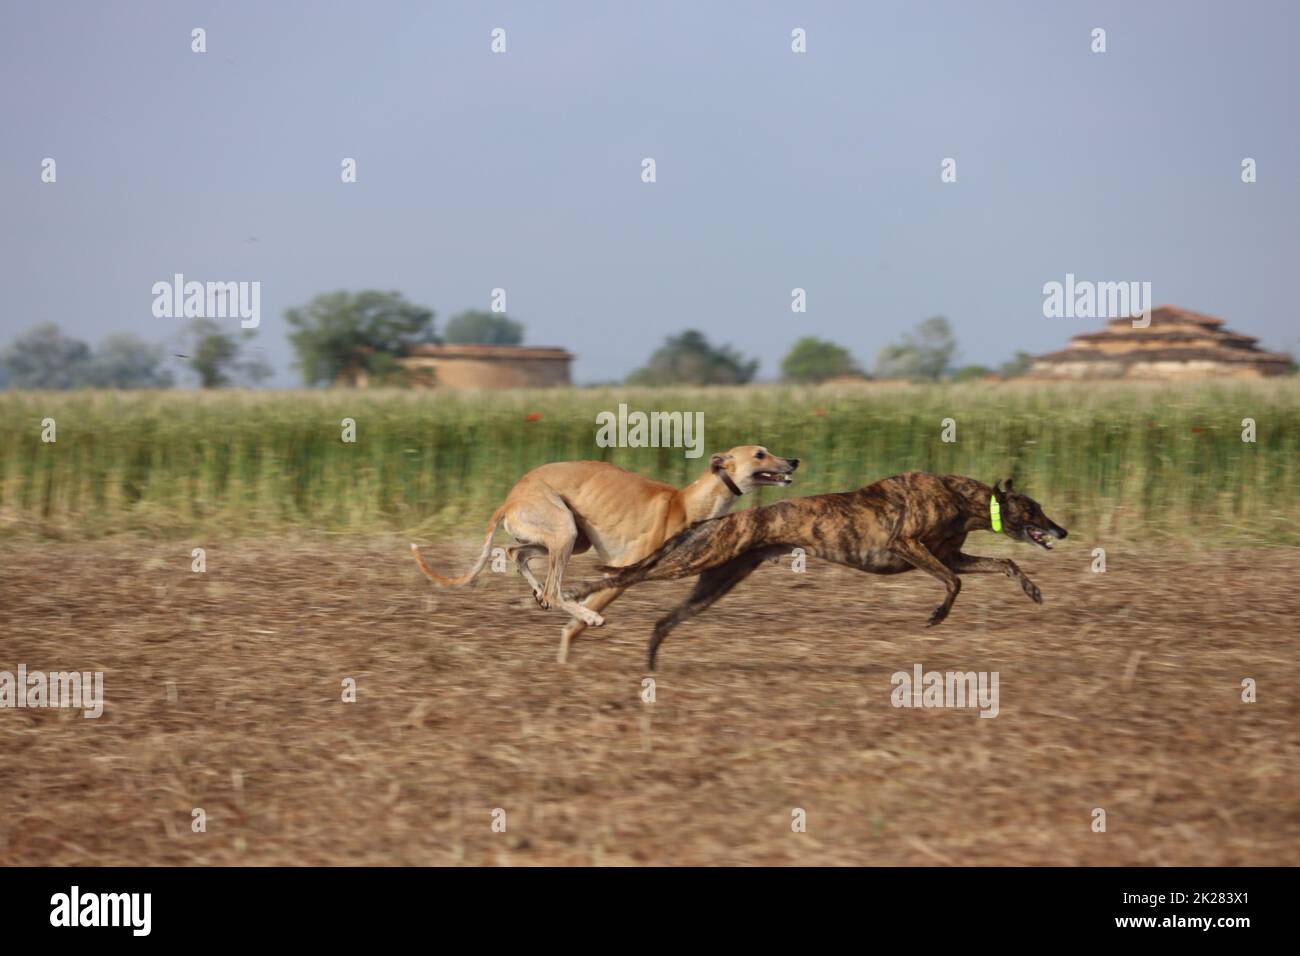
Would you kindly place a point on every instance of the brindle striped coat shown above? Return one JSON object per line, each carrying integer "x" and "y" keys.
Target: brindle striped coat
{"x": 915, "y": 520}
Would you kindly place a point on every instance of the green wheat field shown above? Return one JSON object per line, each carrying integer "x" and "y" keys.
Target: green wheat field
{"x": 1115, "y": 460}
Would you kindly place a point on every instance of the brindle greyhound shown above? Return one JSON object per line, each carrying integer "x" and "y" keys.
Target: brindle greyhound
{"x": 916, "y": 520}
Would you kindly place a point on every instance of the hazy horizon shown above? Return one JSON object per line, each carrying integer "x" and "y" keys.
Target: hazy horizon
{"x": 775, "y": 170}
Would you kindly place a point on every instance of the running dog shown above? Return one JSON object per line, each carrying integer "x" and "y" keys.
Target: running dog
{"x": 568, "y": 507}
{"x": 916, "y": 520}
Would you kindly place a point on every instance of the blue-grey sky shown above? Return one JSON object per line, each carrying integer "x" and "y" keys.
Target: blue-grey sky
{"x": 775, "y": 170}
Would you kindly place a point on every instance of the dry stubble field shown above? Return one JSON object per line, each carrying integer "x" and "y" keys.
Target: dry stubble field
{"x": 223, "y": 692}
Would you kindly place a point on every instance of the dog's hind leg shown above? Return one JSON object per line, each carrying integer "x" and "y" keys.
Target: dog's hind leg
{"x": 545, "y": 522}
{"x": 521, "y": 555}
{"x": 554, "y": 589}
{"x": 920, "y": 557}
{"x": 552, "y": 525}
{"x": 709, "y": 589}
{"x": 973, "y": 564}
{"x": 597, "y": 602}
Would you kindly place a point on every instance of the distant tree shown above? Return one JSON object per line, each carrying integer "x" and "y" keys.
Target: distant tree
{"x": 689, "y": 359}
{"x": 923, "y": 355}
{"x": 124, "y": 360}
{"x": 1017, "y": 366}
{"x": 483, "y": 328}
{"x": 219, "y": 357}
{"x": 971, "y": 373}
{"x": 351, "y": 331}
{"x": 815, "y": 360}
{"x": 43, "y": 357}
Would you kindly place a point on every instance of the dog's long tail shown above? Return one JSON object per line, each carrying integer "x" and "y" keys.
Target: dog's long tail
{"x": 708, "y": 544}
{"x": 677, "y": 557}
{"x": 698, "y": 548}
{"x": 473, "y": 572}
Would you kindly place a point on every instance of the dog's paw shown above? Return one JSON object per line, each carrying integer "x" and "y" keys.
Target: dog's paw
{"x": 589, "y": 617}
{"x": 1031, "y": 589}
{"x": 540, "y": 598}
{"x": 937, "y": 617}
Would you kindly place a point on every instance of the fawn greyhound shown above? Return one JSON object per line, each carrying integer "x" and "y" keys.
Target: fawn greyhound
{"x": 568, "y": 507}
{"x": 916, "y": 520}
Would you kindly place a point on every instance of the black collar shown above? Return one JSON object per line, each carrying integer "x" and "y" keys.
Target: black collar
{"x": 726, "y": 480}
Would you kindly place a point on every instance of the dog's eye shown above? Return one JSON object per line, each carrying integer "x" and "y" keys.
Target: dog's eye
{"x": 760, "y": 455}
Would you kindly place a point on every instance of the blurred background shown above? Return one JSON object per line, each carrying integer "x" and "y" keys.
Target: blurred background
{"x": 775, "y": 170}
{"x": 444, "y": 213}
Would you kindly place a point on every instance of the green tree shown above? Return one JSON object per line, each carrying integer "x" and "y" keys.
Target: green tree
{"x": 923, "y": 355}
{"x": 483, "y": 328}
{"x": 339, "y": 332}
{"x": 219, "y": 358}
{"x": 1017, "y": 366}
{"x": 815, "y": 360}
{"x": 43, "y": 357}
{"x": 971, "y": 373}
{"x": 689, "y": 359}
{"x": 124, "y": 360}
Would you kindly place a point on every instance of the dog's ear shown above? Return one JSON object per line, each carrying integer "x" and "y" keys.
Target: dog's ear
{"x": 717, "y": 462}
{"x": 1007, "y": 489}
{"x": 999, "y": 493}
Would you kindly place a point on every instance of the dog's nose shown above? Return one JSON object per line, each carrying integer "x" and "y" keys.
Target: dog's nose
{"x": 794, "y": 463}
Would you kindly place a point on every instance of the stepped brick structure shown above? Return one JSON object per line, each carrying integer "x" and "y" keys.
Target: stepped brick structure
{"x": 487, "y": 366}
{"x": 1177, "y": 344}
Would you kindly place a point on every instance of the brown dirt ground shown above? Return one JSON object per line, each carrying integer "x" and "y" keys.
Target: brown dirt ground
{"x": 223, "y": 692}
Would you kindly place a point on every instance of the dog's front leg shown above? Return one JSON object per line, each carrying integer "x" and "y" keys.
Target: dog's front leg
{"x": 597, "y": 602}
{"x": 919, "y": 556}
{"x": 973, "y": 564}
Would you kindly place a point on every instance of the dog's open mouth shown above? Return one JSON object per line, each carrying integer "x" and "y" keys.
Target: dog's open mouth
{"x": 1039, "y": 538}
{"x": 771, "y": 478}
